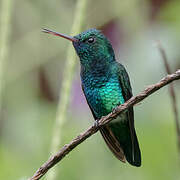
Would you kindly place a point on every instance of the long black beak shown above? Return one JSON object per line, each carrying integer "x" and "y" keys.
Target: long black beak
{"x": 70, "y": 38}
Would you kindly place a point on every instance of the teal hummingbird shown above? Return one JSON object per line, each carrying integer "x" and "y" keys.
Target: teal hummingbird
{"x": 106, "y": 84}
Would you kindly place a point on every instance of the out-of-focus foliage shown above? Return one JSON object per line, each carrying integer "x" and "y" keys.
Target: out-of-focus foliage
{"x": 33, "y": 76}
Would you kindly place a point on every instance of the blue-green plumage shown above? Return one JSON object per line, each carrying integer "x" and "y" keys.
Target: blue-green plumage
{"x": 102, "y": 94}
{"x": 106, "y": 84}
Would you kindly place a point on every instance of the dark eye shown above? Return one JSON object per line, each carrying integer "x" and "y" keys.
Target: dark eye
{"x": 91, "y": 40}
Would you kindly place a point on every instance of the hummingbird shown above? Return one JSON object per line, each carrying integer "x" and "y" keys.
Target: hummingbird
{"x": 106, "y": 85}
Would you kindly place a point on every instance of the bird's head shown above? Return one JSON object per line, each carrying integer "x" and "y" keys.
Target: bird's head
{"x": 90, "y": 45}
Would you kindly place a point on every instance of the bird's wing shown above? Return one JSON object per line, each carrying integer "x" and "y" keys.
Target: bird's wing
{"x": 124, "y": 82}
{"x": 127, "y": 94}
{"x": 109, "y": 138}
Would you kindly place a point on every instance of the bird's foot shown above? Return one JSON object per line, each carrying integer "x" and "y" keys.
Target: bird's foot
{"x": 96, "y": 123}
{"x": 114, "y": 109}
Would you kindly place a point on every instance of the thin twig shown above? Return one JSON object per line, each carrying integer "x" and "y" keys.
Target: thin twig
{"x": 66, "y": 83}
{"x": 104, "y": 120}
{"x": 172, "y": 93}
{"x": 5, "y": 31}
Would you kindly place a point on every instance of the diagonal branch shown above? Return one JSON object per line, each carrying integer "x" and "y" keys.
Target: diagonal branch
{"x": 104, "y": 120}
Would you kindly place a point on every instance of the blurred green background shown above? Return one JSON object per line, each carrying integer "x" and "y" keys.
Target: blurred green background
{"x": 33, "y": 74}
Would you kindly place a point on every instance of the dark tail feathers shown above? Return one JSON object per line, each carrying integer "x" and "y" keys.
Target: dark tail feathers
{"x": 121, "y": 144}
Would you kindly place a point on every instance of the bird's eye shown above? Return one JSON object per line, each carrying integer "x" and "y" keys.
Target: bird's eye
{"x": 91, "y": 40}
